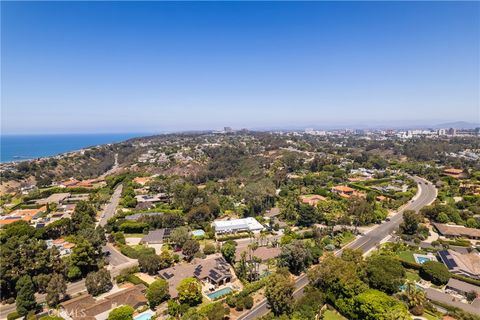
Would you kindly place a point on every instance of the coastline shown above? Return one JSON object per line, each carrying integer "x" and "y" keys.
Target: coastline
{"x": 21, "y": 148}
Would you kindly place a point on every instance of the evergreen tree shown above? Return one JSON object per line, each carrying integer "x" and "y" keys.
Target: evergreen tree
{"x": 56, "y": 290}
{"x": 25, "y": 295}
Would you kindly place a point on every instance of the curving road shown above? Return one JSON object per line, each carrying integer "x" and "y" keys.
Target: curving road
{"x": 426, "y": 194}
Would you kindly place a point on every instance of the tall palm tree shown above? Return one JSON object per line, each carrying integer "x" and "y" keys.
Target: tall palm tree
{"x": 415, "y": 298}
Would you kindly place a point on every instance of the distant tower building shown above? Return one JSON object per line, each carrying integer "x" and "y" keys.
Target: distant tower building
{"x": 452, "y": 131}
{"x": 441, "y": 132}
{"x": 227, "y": 129}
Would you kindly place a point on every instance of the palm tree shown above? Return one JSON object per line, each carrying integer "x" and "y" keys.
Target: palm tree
{"x": 415, "y": 298}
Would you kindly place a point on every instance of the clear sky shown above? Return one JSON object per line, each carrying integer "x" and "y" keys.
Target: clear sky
{"x": 156, "y": 66}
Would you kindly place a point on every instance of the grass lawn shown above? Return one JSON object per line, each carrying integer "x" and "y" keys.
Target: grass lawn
{"x": 412, "y": 276}
{"x": 331, "y": 315}
{"x": 407, "y": 256}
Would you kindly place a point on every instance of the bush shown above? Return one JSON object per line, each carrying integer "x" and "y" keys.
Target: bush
{"x": 231, "y": 301}
{"x": 119, "y": 237}
{"x": 248, "y": 302}
{"x": 209, "y": 248}
{"x": 121, "y": 313}
{"x": 136, "y": 252}
{"x": 475, "y": 282}
{"x": 13, "y": 315}
{"x": 133, "y": 227}
{"x": 130, "y": 278}
{"x": 239, "y": 304}
{"x": 435, "y": 272}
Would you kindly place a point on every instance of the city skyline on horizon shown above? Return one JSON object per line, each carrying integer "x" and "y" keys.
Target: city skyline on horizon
{"x": 199, "y": 66}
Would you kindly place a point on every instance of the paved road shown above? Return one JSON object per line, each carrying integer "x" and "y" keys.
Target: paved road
{"x": 111, "y": 206}
{"x": 117, "y": 260}
{"x": 72, "y": 289}
{"x": 426, "y": 194}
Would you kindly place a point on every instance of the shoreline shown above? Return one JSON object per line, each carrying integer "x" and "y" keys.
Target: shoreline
{"x": 50, "y": 140}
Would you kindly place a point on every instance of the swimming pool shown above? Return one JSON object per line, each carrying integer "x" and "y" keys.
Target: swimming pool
{"x": 421, "y": 258}
{"x": 220, "y": 293}
{"x": 144, "y": 315}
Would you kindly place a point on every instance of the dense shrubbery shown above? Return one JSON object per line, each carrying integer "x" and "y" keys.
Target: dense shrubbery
{"x": 435, "y": 272}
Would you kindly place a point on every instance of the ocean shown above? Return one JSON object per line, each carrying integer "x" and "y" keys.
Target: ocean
{"x": 26, "y": 147}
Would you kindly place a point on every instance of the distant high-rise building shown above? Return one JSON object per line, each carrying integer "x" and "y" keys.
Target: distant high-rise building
{"x": 441, "y": 132}
{"x": 452, "y": 131}
{"x": 227, "y": 129}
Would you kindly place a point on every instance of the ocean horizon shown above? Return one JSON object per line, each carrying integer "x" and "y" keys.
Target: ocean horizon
{"x": 27, "y": 147}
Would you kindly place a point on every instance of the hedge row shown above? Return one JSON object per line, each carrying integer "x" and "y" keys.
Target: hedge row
{"x": 233, "y": 237}
{"x": 135, "y": 253}
{"x": 130, "y": 278}
{"x": 466, "y": 279}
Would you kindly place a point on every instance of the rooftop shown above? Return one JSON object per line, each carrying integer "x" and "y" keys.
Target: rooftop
{"x": 214, "y": 267}
{"x": 54, "y": 198}
{"x": 249, "y": 223}
{"x": 263, "y": 253}
{"x": 343, "y": 189}
{"x": 436, "y": 295}
{"x": 156, "y": 236}
{"x": 457, "y": 231}
{"x": 463, "y": 286}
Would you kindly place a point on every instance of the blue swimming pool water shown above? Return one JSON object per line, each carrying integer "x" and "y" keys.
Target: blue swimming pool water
{"x": 220, "y": 293}
{"x": 144, "y": 315}
{"x": 422, "y": 260}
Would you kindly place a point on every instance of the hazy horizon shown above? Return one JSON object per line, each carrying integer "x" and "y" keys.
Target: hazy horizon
{"x": 118, "y": 67}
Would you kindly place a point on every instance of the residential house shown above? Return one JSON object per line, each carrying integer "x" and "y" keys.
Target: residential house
{"x": 346, "y": 192}
{"x": 74, "y": 198}
{"x": 263, "y": 253}
{"x": 273, "y": 212}
{"x": 435, "y": 295}
{"x": 466, "y": 264}
{"x": 158, "y": 236}
{"x": 63, "y": 246}
{"x": 455, "y": 173}
{"x": 53, "y": 198}
{"x": 312, "y": 200}
{"x": 213, "y": 270}
{"x": 85, "y": 307}
{"x": 159, "y": 197}
{"x": 455, "y": 231}
{"x": 138, "y": 216}
{"x": 22, "y": 214}
{"x": 237, "y": 225}
{"x": 462, "y": 287}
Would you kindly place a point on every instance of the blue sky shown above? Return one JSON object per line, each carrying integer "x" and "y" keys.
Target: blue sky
{"x": 155, "y": 66}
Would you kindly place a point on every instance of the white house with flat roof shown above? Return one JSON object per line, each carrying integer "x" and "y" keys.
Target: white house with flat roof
{"x": 237, "y": 225}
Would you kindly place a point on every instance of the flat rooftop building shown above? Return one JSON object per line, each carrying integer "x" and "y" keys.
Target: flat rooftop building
{"x": 237, "y": 225}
